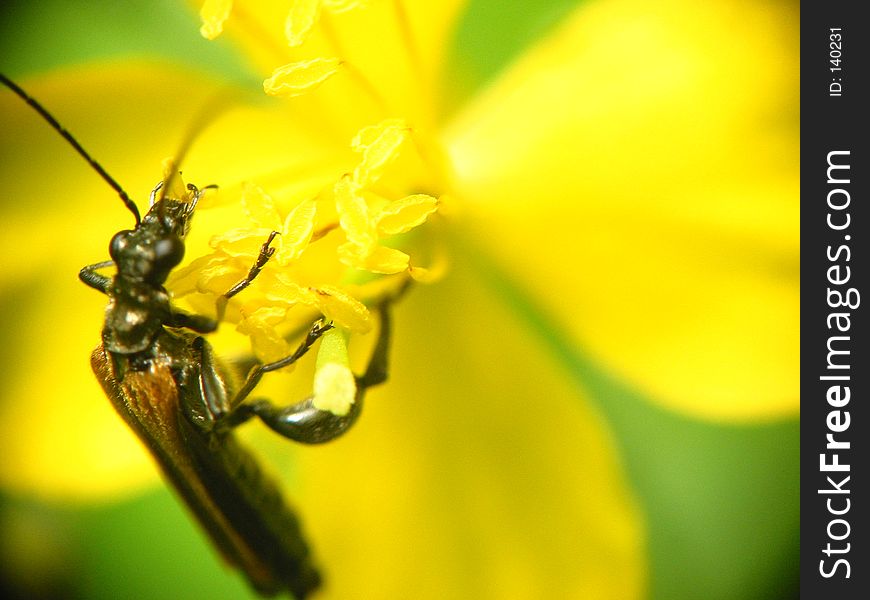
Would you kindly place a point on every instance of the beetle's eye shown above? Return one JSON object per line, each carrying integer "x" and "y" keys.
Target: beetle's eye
{"x": 168, "y": 252}
{"x": 118, "y": 243}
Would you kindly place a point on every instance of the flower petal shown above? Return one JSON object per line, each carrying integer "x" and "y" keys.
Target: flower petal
{"x": 650, "y": 200}
{"x": 71, "y": 214}
{"x": 507, "y": 486}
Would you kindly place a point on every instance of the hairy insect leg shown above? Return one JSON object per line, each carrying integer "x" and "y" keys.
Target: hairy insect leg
{"x": 242, "y": 412}
{"x": 89, "y": 276}
{"x": 303, "y": 422}
{"x": 197, "y": 323}
{"x": 377, "y": 370}
{"x": 266, "y": 252}
{"x": 210, "y": 405}
{"x": 153, "y": 197}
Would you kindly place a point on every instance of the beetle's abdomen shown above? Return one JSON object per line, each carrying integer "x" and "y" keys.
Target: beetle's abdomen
{"x": 238, "y": 506}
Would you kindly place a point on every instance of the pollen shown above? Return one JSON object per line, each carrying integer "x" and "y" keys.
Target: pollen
{"x": 214, "y": 14}
{"x": 343, "y": 309}
{"x": 301, "y": 19}
{"x": 404, "y": 214}
{"x": 297, "y": 78}
{"x": 340, "y": 6}
{"x": 366, "y": 230}
{"x": 379, "y": 144}
{"x": 262, "y": 327}
{"x": 305, "y": 14}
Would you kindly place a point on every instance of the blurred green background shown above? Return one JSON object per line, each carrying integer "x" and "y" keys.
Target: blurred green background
{"x": 735, "y": 487}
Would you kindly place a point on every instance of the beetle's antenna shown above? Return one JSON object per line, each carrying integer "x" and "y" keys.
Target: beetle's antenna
{"x": 74, "y": 143}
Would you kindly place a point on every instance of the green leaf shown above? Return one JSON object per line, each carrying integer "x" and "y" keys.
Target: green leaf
{"x": 491, "y": 33}
{"x": 41, "y": 36}
{"x": 721, "y": 500}
{"x": 149, "y": 547}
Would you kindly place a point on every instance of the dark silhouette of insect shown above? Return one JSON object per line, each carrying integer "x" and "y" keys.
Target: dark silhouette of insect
{"x": 162, "y": 377}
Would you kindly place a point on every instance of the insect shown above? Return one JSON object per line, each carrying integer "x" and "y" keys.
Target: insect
{"x": 163, "y": 378}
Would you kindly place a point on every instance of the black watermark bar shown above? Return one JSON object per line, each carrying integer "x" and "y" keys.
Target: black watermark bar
{"x": 835, "y": 299}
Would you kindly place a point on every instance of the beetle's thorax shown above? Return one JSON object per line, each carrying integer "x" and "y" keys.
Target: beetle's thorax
{"x": 138, "y": 303}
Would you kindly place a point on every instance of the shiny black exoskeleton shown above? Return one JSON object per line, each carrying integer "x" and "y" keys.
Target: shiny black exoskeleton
{"x": 165, "y": 381}
{"x": 162, "y": 377}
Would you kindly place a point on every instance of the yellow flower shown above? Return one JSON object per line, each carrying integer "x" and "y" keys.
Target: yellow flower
{"x": 623, "y": 195}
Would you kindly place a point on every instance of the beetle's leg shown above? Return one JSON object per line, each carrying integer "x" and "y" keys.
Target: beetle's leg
{"x": 205, "y": 399}
{"x": 197, "y": 323}
{"x": 201, "y": 324}
{"x": 304, "y": 422}
{"x": 256, "y": 373}
{"x": 153, "y": 197}
{"x": 208, "y": 405}
{"x": 377, "y": 370}
{"x": 197, "y": 194}
{"x": 91, "y": 278}
{"x": 266, "y": 252}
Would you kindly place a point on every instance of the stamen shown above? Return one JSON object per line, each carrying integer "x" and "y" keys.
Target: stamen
{"x": 323, "y": 231}
{"x": 296, "y": 232}
{"x": 214, "y": 14}
{"x": 301, "y": 20}
{"x": 403, "y": 215}
{"x": 361, "y": 80}
{"x": 368, "y": 206}
{"x": 410, "y": 45}
{"x": 342, "y": 308}
{"x": 261, "y": 327}
{"x": 433, "y": 156}
{"x": 379, "y": 145}
{"x": 340, "y": 6}
{"x": 298, "y": 78}
{"x": 259, "y": 32}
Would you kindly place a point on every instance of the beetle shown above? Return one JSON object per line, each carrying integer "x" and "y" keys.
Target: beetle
{"x": 163, "y": 378}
